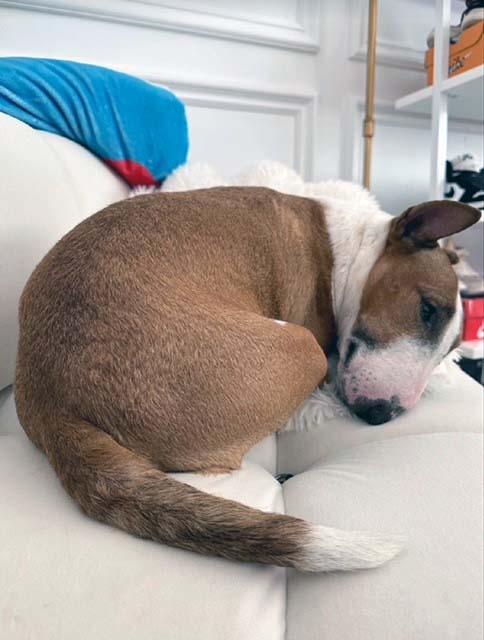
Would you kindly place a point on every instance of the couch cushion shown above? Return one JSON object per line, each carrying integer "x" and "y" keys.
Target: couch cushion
{"x": 67, "y": 576}
{"x": 70, "y": 576}
{"x": 449, "y": 404}
{"x": 40, "y": 183}
{"x": 426, "y": 486}
{"x": 32, "y": 218}
{"x": 93, "y": 184}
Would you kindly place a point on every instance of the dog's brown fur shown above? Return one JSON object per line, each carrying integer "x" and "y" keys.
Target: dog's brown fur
{"x": 147, "y": 345}
{"x": 389, "y": 306}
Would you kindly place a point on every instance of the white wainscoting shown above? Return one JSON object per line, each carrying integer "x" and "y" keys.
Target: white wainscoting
{"x": 257, "y": 123}
{"x": 402, "y": 31}
{"x": 244, "y": 70}
{"x": 290, "y": 24}
{"x": 279, "y": 79}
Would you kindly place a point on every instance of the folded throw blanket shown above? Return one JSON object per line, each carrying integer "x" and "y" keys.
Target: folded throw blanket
{"x": 138, "y": 129}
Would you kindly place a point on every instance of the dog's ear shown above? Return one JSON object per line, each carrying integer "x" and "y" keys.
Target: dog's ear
{"x": 424, "y": 224}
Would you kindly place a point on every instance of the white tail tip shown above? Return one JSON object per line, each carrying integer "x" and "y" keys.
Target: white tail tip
{"x": 327, "y": 549}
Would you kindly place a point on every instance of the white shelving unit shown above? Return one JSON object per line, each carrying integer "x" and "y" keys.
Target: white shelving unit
{"x": 465, "y": 96}
{"x": 462, "y": 97}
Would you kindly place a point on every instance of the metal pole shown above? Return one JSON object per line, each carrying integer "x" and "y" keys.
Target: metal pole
{"x": 439, "y": 100}
{"x": 369, "y": 122}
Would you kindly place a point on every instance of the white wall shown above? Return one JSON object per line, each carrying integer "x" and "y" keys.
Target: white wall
{"x": 281, "y": 79}
{"x": 247, "y": 71}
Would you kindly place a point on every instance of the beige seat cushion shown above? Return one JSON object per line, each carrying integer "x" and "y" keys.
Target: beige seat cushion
{"x": 48, "y": 184}
{"x": 69, "y": 576}
{"x": 430, "y": 488}
{"x": 451, "y": 404}
{"x": 63, "y": 575}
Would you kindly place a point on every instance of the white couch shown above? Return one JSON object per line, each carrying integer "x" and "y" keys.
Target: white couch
{"x": 64, "y": 576}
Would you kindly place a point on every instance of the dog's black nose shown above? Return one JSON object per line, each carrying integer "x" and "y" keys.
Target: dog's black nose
{"x": 374, "y": 411}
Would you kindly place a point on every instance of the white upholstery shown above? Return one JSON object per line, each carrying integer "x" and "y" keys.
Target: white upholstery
{"x": 453, "y": 406}
{"x": 94, "y": 185}
{"x": 63, "y": 575}
{"x": 44, "y": 185}
{"x": 67, "y": 576}
{"x": 430, "y": 488}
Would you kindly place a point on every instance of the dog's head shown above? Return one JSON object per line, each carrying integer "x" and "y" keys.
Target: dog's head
{"x": 409, "y": 317}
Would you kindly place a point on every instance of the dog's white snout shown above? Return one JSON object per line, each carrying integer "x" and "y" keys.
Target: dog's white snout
{"x": 371, "y": 378}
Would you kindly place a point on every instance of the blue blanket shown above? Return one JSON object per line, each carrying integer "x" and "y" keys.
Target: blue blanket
{"x": 139, "y": 129}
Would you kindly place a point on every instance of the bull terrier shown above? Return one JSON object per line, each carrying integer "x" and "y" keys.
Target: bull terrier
{"x": 174, "y": 331}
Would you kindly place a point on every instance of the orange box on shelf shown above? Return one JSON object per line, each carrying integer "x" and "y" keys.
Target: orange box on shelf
{"x": 473, "y": 319}
{"x": 465, "y": 54}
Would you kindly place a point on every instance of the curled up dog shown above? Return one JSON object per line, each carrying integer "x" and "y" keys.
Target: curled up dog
{"x": 174, "y": 331}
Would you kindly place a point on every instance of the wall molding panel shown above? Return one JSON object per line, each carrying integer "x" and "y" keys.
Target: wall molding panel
{"x": 389, "y": 52}
{"x": 299, "y": 33}
{"x": 225, "y": 95}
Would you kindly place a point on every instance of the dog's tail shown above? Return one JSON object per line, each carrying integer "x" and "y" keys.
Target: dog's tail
{"x": 116, "y": 486}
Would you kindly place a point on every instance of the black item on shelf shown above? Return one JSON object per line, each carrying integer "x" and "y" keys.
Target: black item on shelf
{"x": 472, "y": 183}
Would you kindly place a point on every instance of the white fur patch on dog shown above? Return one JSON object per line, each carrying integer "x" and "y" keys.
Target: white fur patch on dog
{"x": 358, "y": 231}
{"x": 322, "y": 405}
{"x": 327, "y": 549}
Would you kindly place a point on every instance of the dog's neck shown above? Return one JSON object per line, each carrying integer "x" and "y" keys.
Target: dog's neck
{"x": 358, "y": 234}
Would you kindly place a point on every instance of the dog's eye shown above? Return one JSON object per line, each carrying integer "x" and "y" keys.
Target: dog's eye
{"x": 352, "y": 348}
{"x": 428, "y": 313}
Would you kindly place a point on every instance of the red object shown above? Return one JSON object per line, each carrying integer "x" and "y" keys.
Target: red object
{"x": 133, "y": 172}
{"x": 473, "y": 319}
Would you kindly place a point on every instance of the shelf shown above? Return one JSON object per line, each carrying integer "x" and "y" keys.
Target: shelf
{"x": 465, "y": 92}
{"x": 472, "y": 349}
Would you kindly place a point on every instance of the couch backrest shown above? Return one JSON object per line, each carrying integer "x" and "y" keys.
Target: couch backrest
{"x": 47, "y": 185}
